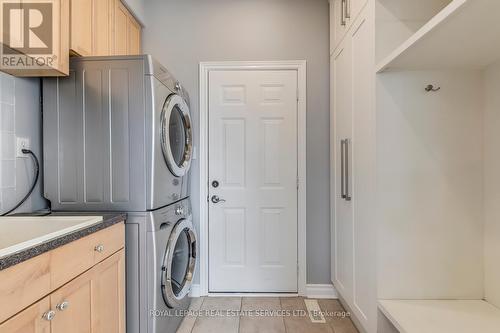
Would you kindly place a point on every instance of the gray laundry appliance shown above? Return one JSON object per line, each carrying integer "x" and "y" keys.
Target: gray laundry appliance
{"x": 117, "y": 136}
{"x": 161, "y": 257}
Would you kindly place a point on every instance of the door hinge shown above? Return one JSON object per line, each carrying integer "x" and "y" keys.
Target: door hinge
{"x": 298, "y": 183}
{"x": 298, "y": 94}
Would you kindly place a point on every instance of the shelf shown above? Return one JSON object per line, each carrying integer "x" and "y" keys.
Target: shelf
{"x": 439, "y": 316}
{"x": 464, "y": 35}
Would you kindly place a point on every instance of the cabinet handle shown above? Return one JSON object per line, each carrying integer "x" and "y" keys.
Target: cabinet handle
{"x": 342, "y": 12}
{"x": 49, "y": 315}
{"x": 62, "y": 306}
{"x": 342, "y": 171}
{"x": 348, "y": 9}
{"x": 346, "y": 159}
{"x": 99, "y": 248}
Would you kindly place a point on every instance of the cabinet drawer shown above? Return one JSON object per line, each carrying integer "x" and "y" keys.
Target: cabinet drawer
{"x": 108, "y": 241}
{"x": 75, "y": 258}
{"x": 23, "y": 284}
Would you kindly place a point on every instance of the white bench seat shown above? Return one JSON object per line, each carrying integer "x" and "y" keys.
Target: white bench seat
{"x": 441, "y": 316}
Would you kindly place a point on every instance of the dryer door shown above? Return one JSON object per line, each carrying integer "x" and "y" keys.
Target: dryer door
{"x": 176, "y": 135}
{"x": 179, "y": 264}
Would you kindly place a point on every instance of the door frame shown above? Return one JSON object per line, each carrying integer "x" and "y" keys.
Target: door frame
{"x": 205, "y": 68}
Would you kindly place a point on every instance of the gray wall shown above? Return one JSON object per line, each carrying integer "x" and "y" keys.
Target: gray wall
{"x": 180, "y": 34}
{"x": 19, "y": 117}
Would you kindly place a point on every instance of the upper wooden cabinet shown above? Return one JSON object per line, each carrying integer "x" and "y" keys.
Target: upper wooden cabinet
{"x": 103, "y": 27}
{"x": 81, "y": 27}
{"x": 126, "y": 31}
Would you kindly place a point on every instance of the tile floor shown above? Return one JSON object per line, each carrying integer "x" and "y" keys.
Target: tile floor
{"x": 248, "y": 315}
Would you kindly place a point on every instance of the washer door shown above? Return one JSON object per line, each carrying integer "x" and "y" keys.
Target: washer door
{"x": 179, "y": 264}
{"x": 176, "y": 135}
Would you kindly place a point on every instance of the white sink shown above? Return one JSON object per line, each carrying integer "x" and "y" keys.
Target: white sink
{"x": 20, "y": 233}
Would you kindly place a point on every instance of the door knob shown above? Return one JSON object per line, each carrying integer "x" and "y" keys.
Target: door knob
{"x": 49, "y": 315}
{"x": 215, "y": 199}
{"x": 62, "y": 306}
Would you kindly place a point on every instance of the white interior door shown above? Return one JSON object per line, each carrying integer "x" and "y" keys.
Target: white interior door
{"x": 253, "y": 172}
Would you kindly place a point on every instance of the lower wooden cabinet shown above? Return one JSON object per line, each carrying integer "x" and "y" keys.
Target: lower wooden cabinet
{"x": 108, "y": 296}
{"x": 92, "y": 302}
{"x": 31, "y": 320}
{"x": 78, "y": 287}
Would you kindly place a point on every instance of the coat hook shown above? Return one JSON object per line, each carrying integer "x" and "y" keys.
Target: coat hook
{"x": 430, "y": 87}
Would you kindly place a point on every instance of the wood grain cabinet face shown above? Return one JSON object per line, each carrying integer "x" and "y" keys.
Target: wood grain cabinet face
{"x": 81, "y": 27}
{"x": 134, "y": 37}
{"x": 23, "y": 284}
{"x": 72, "y": 304}
{"x": 108, "y": 296}
{"x": 82, "y": 285}
{"x": 102, "y": 27}
{"x": 126, "y": 31}
{"x": 120, "y": 36}
{"x": 30, "y": 320}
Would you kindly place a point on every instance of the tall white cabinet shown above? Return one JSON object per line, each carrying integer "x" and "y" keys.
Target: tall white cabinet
{"x": 414, "y": 186}
{"x": 353, "y": 163}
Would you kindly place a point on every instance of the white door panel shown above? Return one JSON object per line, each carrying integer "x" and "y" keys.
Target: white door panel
{"x": 342, "y": 100}
{"x": 253, "y": 157}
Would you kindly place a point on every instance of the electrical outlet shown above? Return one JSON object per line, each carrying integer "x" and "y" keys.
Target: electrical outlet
{"x": 22, "y": 143}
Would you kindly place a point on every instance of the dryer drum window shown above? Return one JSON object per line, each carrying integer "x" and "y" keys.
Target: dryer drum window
{"x": 179, "y": 263}
{"x": 176, "y": 135}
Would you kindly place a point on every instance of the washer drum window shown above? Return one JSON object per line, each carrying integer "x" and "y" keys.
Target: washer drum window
{"x": 179, "y": 263}
{"x": 176, "y": 135}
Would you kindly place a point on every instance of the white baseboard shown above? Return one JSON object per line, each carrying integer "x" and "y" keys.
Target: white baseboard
{"x": 312, "y": 291}
{"x": 321, "y": 291}
{"x": 195, "y": 291}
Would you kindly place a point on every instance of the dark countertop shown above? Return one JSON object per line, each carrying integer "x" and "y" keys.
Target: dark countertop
{"x": 108, "y": 219}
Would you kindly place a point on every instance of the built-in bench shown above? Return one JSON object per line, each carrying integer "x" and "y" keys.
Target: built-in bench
{"x": 440, "y": 316}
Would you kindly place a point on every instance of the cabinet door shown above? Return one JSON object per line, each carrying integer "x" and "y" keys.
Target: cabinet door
{"x": 342, "y": 104}
{"x": 355, "y": 7}
{"x": 339, "y": 20}
{"x": 72, "y": 304}
{"x": 81, "y": 27}
{"x": 332, "y": 26}
{"x": 30, "y": 320}
{"x": 364, "y": 231}
{"x": 121, "y": 23}
{"x": 134, "y": 37}
{"x": 102, "y": 23}
{"x": 108, "y": 295}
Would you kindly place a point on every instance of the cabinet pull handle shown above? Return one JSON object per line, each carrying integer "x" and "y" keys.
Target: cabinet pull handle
{"x": 342, "y": 171}
{"x": 342, "y": 12}
{"x": 62, "y": 306}
{"x": 99, "y": 248}
{"x": 348, "y": 9}
{"x": 346, "y": 159}
{"x": 49, "y": 315}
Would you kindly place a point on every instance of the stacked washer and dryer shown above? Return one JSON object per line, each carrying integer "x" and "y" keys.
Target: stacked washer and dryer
{"x": 118, "y": 137}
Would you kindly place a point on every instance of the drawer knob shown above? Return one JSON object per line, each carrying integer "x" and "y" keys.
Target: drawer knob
{"x": 49, "y": 315}
{"x": 62, "y": 306}
{"x": 99, "y": 248}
